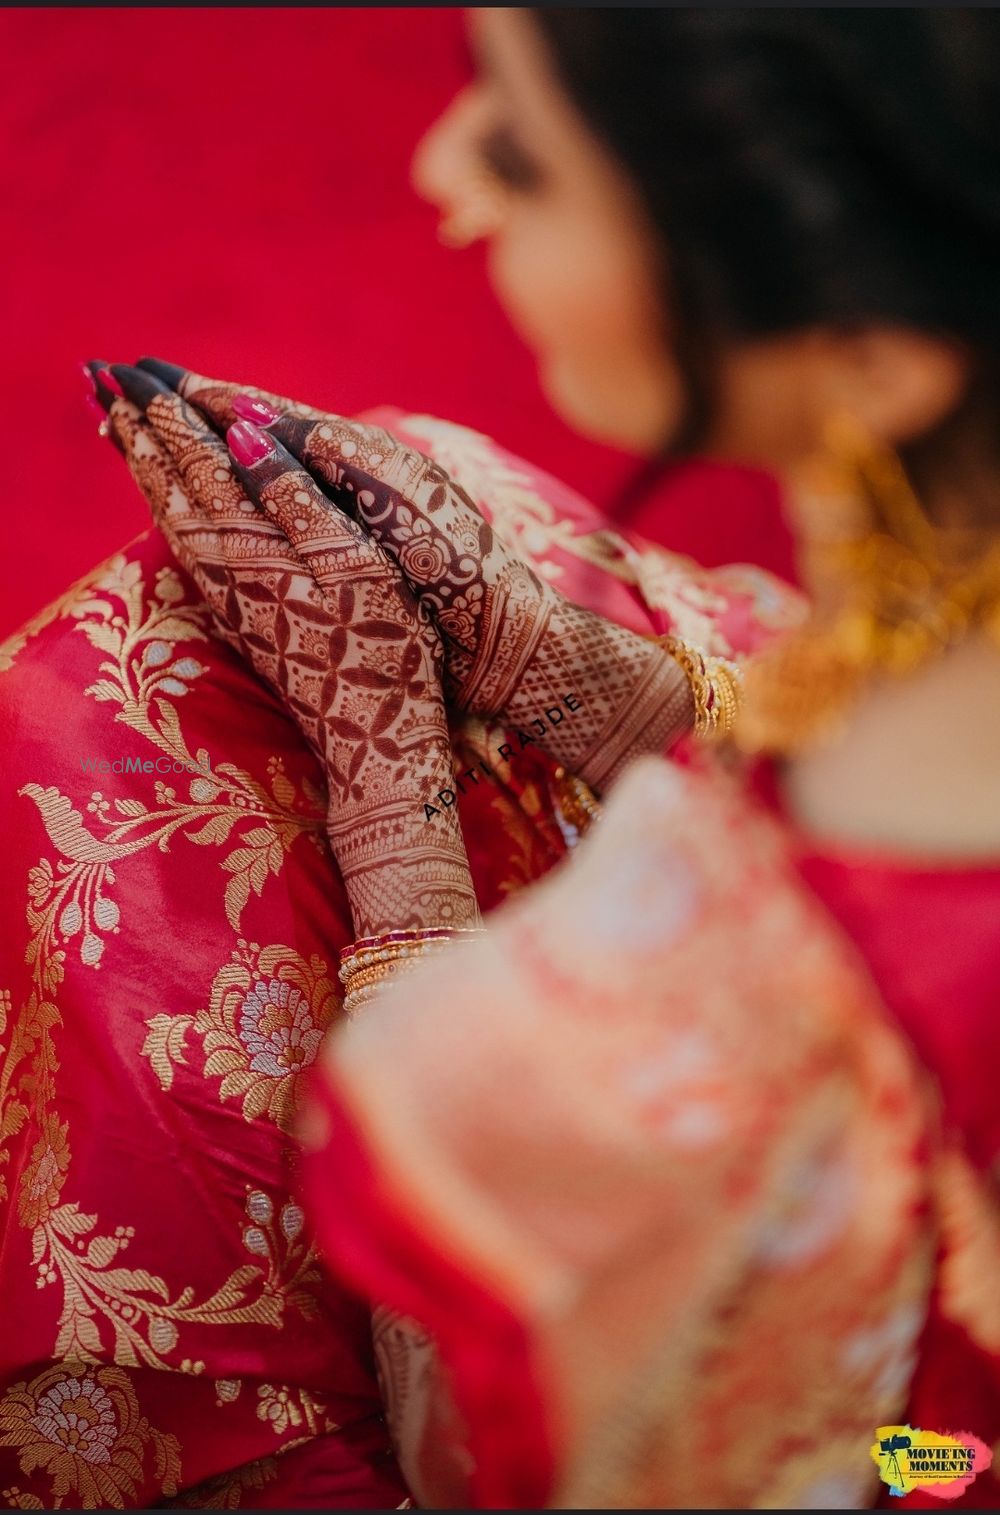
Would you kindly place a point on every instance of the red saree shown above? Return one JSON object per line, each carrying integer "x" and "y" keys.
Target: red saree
{"x": 166, "y": 977}
{"x": 621, "y": 1326}
{"x": 930, "y": 939}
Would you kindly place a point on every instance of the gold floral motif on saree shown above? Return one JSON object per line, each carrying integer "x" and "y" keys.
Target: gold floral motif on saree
{"x": 283, "y": 1407}
{"x": 82, "y": 1426}
{"x": 227, "y": 1490}
{"x": 142, "y": 673}
{"x": 132, "y": 1315}
{"x": 267, "y": 1014}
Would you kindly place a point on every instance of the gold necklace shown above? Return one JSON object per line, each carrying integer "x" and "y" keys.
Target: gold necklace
{"x": 892, "y": 591}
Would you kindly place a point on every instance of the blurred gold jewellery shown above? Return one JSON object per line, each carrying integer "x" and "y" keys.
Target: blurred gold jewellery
{"x": 890, "y": 590}
{"x": 577, "y": 802}
{"x": 716, "y": 686}
{"x": 372, "y": 960}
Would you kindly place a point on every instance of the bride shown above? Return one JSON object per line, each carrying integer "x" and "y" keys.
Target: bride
{"x": 674, "y": 1183}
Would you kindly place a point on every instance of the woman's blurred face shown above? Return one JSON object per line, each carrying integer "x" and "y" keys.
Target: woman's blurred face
{"x": 572, "y": 259}
{"x": 578, "y": 268}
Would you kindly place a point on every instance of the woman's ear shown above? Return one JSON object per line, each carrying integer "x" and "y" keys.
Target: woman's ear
{"x": 897, "y": 382}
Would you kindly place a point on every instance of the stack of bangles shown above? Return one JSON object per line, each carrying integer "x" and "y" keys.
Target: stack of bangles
{"x": 374, "y": 960}
{"x": 716, "y": 686}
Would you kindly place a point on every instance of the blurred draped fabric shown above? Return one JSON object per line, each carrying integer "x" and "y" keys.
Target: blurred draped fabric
{"x": 229, "y": 188}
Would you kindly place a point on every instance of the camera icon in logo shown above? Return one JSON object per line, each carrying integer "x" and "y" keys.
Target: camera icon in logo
{"x": 890, "y": 1447}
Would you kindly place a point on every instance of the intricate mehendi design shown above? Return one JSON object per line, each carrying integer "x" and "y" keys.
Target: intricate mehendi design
{"x": 335, "y": 631}
{"x": 513, "y": 644}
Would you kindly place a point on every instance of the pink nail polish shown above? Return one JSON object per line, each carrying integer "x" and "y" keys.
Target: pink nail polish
{"x": 87, "y": 377}
{"x": 110, "y": 382}
{"x": 255, "y": 410}
{"x": 248, "y": 444}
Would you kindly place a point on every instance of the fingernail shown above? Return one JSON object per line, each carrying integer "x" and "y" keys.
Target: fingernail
{"x": 109, "y": 381}
{"x": 248, "y": 444}
{"x": 255, "y": 410}
{"x": 87, "y": 377}
{"x": 140, "y": 388}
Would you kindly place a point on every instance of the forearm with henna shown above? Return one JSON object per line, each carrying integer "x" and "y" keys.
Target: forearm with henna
{"x": 630, "y": 698}
{"x": 374, "y": 680}
{"x": 513, "y": 645}
{"x": 356, "y": 660}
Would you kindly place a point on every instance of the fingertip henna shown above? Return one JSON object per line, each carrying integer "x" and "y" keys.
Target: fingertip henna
{"x": 99, "y": 394}
{"x": 139, "y": 387}
{"x": 168, "y": 373}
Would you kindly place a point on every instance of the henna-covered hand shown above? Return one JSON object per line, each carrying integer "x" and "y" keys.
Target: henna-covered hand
{"x": 513, "y": 644}
{"x": 333, "y": 628}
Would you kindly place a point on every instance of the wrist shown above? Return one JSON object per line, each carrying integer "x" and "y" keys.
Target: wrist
{"x": 658, "y": 710}
{"x": 370, "y": 964}
{"x": 399, "y": 872}
{"x": 632, "y": 697}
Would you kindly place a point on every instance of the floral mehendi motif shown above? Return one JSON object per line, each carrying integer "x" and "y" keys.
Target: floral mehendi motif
{"x": 81, "y": 1425}
{"x": 336, "y": 634}
{"x": 527, "y": 522}
{"x": 267, "y": 1013}
{"x": 512, "y": 643}
{"x": 693, "y": 599}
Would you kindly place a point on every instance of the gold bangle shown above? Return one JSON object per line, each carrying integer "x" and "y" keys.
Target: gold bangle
{"x": 361, "y": 985}
{"x": 716, "y": 686}
{"x": 578, "y": 804}
{"x": 377, "y": 974}
{"x": 728, "y": 680}
{"x": 363, "y": 961}
{"x": 357, "y": 1000}
{"x": 396, "y": 946}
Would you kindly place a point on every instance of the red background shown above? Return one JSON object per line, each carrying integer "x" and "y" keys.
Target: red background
{"x": 229, "y": 189}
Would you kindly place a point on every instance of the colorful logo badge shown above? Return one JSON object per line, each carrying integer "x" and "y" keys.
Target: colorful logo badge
{"x": 943, "y": 1464}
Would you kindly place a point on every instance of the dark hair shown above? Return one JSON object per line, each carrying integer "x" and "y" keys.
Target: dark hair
{"x": 805, "y": 166}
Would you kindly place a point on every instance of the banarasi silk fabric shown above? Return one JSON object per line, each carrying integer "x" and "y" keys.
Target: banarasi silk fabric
{"x": 733, "y": 1127}
{"x": 167, "y": 973}
{"x": 656, "y": 1168}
